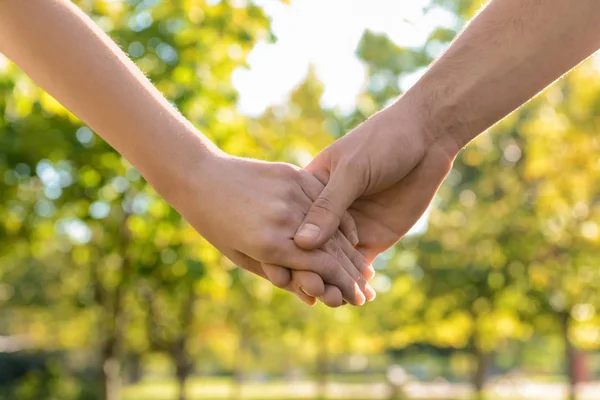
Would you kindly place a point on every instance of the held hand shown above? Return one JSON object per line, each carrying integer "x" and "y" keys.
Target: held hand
{"x": 385, "y": 173}
{"x": 250, "y": 210}
{"x": 303, "y": 283}
{"x": 372, "y": 158}
{"x": 385, "y": 217}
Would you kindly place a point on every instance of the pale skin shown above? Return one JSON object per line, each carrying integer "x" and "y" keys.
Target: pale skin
{"x": 388, "y": 169}
{"x": 63, "y": 51}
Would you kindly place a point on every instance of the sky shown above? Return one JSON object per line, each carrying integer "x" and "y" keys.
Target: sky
{"x": 325, "y": 33}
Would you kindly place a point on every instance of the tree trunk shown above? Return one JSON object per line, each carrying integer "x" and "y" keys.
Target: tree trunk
{"x": 183, "y": 366}
{"x": 322, "y": 366}
{"x": 570, "y": 357}
{"x": 134, "y": 368}
{"x": 112, "y": 350}
{"x": 182, "y": 376}
{"x": 237, "y": 381}
{"x": 113, "y": 321}
{"x": 113, "y": 325}
{"x": 481, "y": 366}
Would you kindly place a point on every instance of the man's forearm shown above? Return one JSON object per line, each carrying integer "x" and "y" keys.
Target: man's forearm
{"x": 63, "y": 51}
{"x": 506, "y": 55}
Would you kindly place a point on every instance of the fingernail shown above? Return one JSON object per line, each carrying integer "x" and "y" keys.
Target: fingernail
{"x": 362, "y": 299}
{"x": 370, "y": 272}
{"x": 311, "y": 301}
{"x": 370, "y": 293}
{"x": 309, "y": 231}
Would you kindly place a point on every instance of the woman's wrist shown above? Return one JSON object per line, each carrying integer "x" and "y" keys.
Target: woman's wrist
{"x": 179, "y": 164}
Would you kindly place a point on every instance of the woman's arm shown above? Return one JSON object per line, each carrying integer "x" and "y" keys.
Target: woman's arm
{"x": 62, "y": 50}
{"x": 71, "y": 58}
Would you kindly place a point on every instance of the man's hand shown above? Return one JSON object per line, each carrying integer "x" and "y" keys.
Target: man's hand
{"x": 391, "y": 168}
{"x": 370, "y": 164}
{"x": 507, "y": 54}
{"x": 250, "y": 209}
{"x": 385, "y": 217}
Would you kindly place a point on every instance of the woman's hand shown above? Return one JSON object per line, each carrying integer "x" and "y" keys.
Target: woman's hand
{"x": 250, "y": 211}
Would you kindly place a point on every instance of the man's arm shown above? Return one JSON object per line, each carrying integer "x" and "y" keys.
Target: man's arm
{"x": 509, "y": 52}
{"x": 506, "y": 55}
{"x": 63, "y": 51}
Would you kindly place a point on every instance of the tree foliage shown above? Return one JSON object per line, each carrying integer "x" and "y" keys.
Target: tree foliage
{"x": 95, "y": 267}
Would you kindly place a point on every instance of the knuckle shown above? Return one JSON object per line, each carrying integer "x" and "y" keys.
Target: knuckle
{"x": 266, "y": 246}
{"x": 310, "y": 185}
{"x": 290, "y": 191}
{"x": 280, "y": 278}
{"x": 331, "y": 247}
{"x": 280, "y": 213}
{"x": 360, "y": 280}
{"x": 324, "y": 206}
{"x": 287, "y": 171}
{"x": 355, "y": 275}
{"x": 356, "y": 272}
{"x": 329, "y": 268}
{"x": 343, "y": 281}
{"x": 358, "y": 260}
{"x": 281, "y": 284}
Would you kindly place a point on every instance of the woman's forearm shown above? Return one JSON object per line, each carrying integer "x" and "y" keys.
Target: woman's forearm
{"x": 64, "y": 52}
{"x": 246, "y": 208}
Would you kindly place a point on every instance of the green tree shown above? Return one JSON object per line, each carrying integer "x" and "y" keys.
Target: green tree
{"x": 59, "y": 176}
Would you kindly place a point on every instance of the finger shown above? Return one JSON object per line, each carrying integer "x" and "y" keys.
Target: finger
{"x": 334, "y": 248}
{"x": 304, "y": 297}
{"x": 332, "y": 297}
{"x": 348, "y": 228}
{"x": 327, "y": 211}
{"x": 355, "y": 257}
{"x": 308, "y": 283}
{"x": 248, "y": 263}
{"x": 331, "y": 266}
{"x": 279, "y": 276}
{"x": 312, "y": 187}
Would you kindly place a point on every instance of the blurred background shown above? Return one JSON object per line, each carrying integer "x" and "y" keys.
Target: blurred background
{"x": 105, "y": 293}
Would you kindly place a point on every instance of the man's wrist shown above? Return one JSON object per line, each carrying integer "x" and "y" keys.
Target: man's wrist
{"x": 439, "y": 118}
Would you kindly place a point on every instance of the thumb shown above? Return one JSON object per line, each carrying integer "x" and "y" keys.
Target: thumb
{"x": 327, "y": 211}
